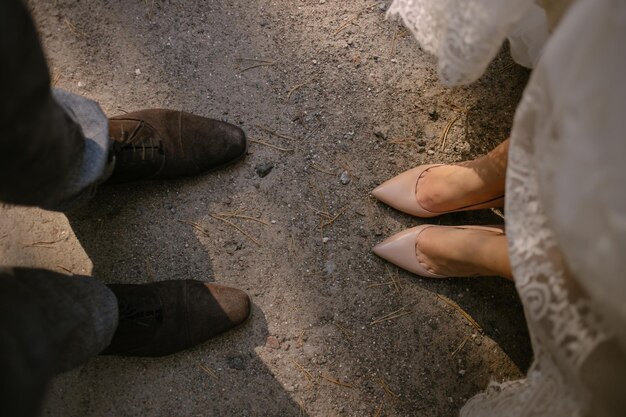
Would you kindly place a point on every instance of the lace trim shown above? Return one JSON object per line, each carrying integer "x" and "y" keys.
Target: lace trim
{"x": 562, "y": 324}
{"x": 465, "y": 35}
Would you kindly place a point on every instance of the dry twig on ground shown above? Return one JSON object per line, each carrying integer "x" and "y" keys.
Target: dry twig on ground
{"x": 74, "y": 29}
{"x": 379, "y": 411}
{"x": 243, "y": 232}
{"x": 408, "y": 141}
{"x": 275, "y": 133}
{"x": 335, "y": 217}
{"x": 505, "y": 68}
{"x": 343, "y": 330}
{"x": 402, "y": 311}
{"x": 195, "y": 226}
{"x": 297, "y": 87}
{"x": 336, "y": 382}
{"x": 43, "y": 244}
{"x": 458, "y": 349}
{"x": 349, "y": 21}
{"x": 465, "y": 314}
{"x": 263, "y": 64}
{"x": 238, "y": 215}
{"x": 382, "y": 284}
{"x": 397, "y": 34}
{"x": 498, "y": 212}
{"x": 444, "y": 135}
{"x": 305, "y": 371}
{"x": 347, "y": 167}
{"x": 66, "y": 269}
{"x": 396, "y": 284}
{"x": 56, "y": 79}
{"x": 208, "y": 371}
{"x": 315, "y": 167}
{"x": 380, "y": 381}
{"x": 270, "y": 145}
{"x": 259, "y": 63}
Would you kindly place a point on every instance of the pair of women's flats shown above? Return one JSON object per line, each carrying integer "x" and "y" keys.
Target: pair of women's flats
{"x": 401, "y": 192}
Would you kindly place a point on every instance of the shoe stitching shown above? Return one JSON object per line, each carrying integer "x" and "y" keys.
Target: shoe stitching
{"x": 130, "y": 119}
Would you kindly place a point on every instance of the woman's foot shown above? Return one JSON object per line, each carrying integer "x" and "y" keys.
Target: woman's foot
{"x": 432, "y": 190}
{"x": 448, "y": 251}
{"x": 445, "y": 188}
{"x": 463, "y": 251}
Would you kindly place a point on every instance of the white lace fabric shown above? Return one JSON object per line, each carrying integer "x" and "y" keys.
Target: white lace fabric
{"x": 465, "y": 35}
{"x": 565, "y": 193}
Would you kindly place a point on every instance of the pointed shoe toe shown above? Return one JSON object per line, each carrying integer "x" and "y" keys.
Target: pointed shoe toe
{"x": 234, "y": 303}
{"x": 400, "y": 248}
{"x": 399, "y": 192}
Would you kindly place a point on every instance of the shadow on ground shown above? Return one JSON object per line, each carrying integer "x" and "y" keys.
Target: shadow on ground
{"x": 123, "y": 244}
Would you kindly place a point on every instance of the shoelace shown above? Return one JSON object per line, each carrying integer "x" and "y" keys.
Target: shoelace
{"x": 134, "y": 146}
{"x": 139, "y": 310}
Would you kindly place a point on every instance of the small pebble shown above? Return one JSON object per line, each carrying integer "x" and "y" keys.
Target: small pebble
{"x": 272, "y": 342}
{"x": 236, "y": 362}
{"x": 137, "y": 71}
{"x": 330, "y": 267}
{"x": 263, "y": 168}
{"x": 381, "y": 131}
{"x": 430, "y": 152}
{"x": 231, "y": 247}
{"x": 344, "y": 178}
{"x": 325, "y": 239}
{"x": 432, "y": 113}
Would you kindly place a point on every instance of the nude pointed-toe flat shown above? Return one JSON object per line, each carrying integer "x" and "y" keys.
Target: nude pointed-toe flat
{"x": 401, "y": 248}
{"x": 400, "y": 192}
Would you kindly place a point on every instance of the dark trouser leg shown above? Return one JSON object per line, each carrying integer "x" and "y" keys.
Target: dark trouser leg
{"x": 45, "y": 158}
{"x": 49, "y": 323}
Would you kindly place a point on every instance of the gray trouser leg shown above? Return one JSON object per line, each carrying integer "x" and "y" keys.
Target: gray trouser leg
{"x": 49, "y": 323}
{"x": 53, "y": 145}
{"x": 94, "y": 165}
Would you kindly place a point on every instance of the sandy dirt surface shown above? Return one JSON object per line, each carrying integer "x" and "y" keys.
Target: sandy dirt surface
{"x": 355, "y": 101}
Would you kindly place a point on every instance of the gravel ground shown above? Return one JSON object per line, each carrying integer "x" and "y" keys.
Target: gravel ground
{"x": 354, "y": 101}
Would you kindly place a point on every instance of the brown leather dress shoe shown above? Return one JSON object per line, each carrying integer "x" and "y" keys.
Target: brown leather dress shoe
{"x": 162, "y": 318}
{"x": 160, "y": 143}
